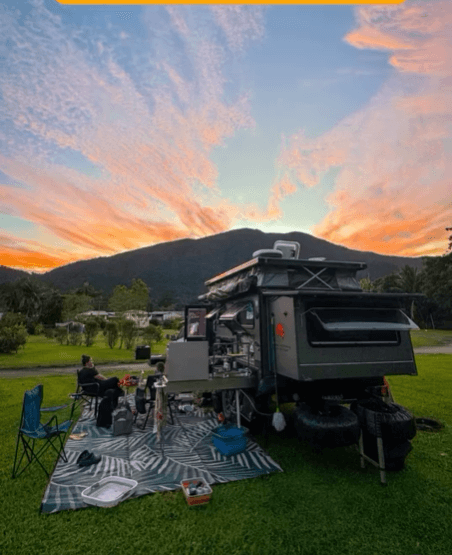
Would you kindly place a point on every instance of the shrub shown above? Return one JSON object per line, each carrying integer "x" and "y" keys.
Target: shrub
{"x": 49, "y": 333}
{"x": 61, "y": 335}
{"x": 91, "y": 330}
{"x": 111, "y": 333}
{"x": 153, "y": 333}
{"x": 13, "y": 333}
{"x": 128, "y": 332}
{"x": 75, "y": 338}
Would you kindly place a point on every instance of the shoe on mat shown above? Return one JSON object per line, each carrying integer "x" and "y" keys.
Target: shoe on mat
{"x": 84, "y": 455}
{"x": 88, "y": 461}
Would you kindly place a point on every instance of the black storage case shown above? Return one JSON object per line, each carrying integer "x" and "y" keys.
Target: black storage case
{"x": 142, "y": 352}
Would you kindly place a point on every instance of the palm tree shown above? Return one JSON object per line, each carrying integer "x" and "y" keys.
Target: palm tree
{"x": 31, "y": 298}
{"x": 409, "y": 281}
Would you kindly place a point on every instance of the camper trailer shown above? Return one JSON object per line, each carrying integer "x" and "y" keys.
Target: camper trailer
{"x": 299, "y": 329}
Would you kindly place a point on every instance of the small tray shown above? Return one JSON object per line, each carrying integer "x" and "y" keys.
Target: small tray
{"x": 109, "y": 491}
{"x": 201, "y": 499}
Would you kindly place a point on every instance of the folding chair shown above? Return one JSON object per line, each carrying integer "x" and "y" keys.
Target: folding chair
{"x": 31, "y": 429}
{"x": 86, "y": 392}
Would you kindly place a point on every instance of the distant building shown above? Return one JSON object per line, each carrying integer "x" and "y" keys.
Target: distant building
{"x": 101, "y": 313}
{"x": 71, "y": 326}
{"x": 140, "y": 317}
{"x": 163, "y": 315}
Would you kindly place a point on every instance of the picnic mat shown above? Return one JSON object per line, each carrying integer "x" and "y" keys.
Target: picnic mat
{"x": 184, "y": 452}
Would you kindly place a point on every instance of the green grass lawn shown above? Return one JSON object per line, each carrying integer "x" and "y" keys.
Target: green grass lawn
{"x": 322, "y": 504}
{"x": 40, "y": 351}
{"x": 427, "y": 338}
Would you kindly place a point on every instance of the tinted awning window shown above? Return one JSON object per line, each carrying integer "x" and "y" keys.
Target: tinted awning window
{"x": 233, "y": 311}
{"x": 348, "y": 319}
{"x": 213, "y": 312}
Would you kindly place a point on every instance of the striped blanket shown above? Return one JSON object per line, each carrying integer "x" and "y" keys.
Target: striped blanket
{"x": 184, "y": 451}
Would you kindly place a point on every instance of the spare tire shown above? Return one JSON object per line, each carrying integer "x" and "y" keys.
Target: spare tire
{"x": 394, "y": 453}
{"x": 330, "y": 426}
{"x": 397, "y": 424}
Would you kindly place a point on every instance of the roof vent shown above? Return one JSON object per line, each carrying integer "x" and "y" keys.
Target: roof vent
{"x": 289, "y": 249}
{"x": 268, "y": 253}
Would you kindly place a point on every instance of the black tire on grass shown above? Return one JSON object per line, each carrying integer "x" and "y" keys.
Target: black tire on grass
{"x": 396, "y": 422}
{"x": 333, "y": 426}
{"x": 429, "y": 425}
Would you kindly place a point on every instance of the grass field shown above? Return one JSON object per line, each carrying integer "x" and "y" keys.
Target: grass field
{"x": 426, "y": 338}
{"x": 43, "y": 352}
{"x": 40, "y": 351}
{"x": 323, "y": 504}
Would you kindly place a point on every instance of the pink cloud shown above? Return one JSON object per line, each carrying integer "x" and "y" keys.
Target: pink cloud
{"x": 240, "y": 24}
{"x": 151, "y": 148}
{"x": 392, "y": 191}
{"x": 418, "y": 33}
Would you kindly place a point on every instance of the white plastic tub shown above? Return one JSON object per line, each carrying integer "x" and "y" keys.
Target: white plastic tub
{"x": 109, "y": 491}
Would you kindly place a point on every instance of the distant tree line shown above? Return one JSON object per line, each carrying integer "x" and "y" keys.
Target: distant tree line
{"x": 31, "y": 306}
{"x": 434, "y": 280}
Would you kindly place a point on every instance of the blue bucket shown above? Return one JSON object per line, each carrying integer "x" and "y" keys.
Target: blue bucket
{"x": 229, "y": 440}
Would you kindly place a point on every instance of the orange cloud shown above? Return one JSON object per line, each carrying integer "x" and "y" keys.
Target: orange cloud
{"x": 418, "y": 33}
{"x": 31, "y": 260}
{"x": 392, "y": 191}
{"x": 149, "y": 141}
{"x": 370, "y": 37}
{"x": 280, "y": 190}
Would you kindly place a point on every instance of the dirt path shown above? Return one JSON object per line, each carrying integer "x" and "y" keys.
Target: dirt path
{"x": 135, "y": 368}
{"x": 436, "y": 350}
{"x": 119, "y": 369}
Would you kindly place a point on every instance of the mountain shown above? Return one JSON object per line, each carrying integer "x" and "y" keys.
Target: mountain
{"x": 184, "y": 265}
{"x": 10, "y": 274}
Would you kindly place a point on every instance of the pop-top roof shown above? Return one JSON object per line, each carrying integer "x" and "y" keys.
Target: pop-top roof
{"x": 265, "y": 271}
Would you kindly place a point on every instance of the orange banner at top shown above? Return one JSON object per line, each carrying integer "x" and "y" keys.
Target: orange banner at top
{"x": 283, "y": 2}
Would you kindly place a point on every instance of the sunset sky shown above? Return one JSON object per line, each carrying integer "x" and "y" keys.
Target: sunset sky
{"x": 125, "y": 126}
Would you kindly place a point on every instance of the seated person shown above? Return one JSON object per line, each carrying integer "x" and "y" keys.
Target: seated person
{"x": 88, "y": 374}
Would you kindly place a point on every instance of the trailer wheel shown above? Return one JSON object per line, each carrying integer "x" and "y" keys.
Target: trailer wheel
{"x": 329, "y": 426}
{"x": 397, "y": 423}
{"x": 229, "y": 405}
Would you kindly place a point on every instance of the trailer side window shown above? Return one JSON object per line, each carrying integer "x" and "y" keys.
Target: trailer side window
{"x": 353, "y": 326}
{"x": 196, "y": 323}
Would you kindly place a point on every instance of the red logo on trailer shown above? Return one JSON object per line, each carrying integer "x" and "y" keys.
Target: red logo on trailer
{"x": 280, "y": 331}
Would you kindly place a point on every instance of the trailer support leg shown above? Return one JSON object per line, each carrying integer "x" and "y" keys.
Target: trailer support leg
{"x": 237, "y": 404}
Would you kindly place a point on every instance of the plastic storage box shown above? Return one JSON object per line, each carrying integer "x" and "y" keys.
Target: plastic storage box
{"x": 196, "y": 499}
{"x": 229, "y": 440}
{"x": 109, "y": 491}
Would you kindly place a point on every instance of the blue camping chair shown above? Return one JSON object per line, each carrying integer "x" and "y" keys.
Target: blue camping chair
{"x": 31, "y": 429}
